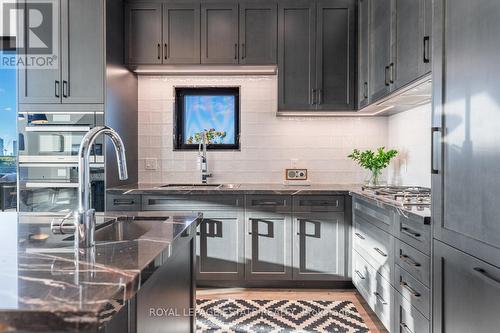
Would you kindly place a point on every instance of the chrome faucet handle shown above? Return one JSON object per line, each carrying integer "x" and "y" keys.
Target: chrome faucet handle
{"x": 85, "y": 229}
{"x": 59, "y": 228}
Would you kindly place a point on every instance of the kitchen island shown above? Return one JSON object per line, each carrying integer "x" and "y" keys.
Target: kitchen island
{"x": 138, "y": 278}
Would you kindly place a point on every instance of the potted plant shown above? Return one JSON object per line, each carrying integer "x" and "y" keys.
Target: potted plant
{"x": 375, "y": 162}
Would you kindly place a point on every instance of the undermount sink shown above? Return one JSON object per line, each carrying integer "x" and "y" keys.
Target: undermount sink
{"x": 124, "y": 229}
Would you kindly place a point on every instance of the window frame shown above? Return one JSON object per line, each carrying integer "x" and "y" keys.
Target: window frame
{"x": 180, "y": 92}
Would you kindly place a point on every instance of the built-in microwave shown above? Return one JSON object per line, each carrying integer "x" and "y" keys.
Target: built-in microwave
{"x": 50, "y": 137}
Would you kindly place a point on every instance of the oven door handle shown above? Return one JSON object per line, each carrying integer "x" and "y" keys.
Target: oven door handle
{"x": 57, "y": 128}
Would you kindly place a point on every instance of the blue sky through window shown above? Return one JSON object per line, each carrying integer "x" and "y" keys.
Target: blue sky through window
{"x": 8, "y": 108}
{"x": 207, "y": 112}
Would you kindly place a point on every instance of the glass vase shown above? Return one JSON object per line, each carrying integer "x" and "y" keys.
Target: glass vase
{"x": 375, "y": 178}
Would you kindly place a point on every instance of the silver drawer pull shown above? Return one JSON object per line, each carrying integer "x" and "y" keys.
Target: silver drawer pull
{"x": 412, "y": 291}
{"x": 409, "y": 260}
{"x": 380, "y": 252}
{"x": 359, "y": 235}
{"x": 405, "y": 328}
{"x": 267, "y": 203}
{"x": 379, "y": 297}
{"x": 409, "y": 232}
{"x": 486, "y": 275}
{"x": 360, "y": 275}
{"x": 121, "y": 202}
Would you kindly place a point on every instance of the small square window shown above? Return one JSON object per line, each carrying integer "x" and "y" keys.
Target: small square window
{"x": 214, "y": 111}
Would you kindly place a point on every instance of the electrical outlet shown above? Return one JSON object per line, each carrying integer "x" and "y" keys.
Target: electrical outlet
{"x": 151, "y": 164}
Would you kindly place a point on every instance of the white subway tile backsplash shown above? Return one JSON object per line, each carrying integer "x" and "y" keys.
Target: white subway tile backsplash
{"x": 268, "y": 142}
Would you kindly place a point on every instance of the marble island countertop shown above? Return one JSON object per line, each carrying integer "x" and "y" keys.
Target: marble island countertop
{"x": 44, "y": 286}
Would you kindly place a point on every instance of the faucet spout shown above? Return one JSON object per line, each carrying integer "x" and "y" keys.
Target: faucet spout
{"x": 85, "y": 216}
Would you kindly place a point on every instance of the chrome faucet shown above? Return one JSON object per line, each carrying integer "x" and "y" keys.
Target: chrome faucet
{"x": 84, "y": 217}
{"x": 202, "y": 158}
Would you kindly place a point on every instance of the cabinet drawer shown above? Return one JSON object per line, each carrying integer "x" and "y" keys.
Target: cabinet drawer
{"x": 361, "y": 275}
{"x": 383, "y": 299}
{"x": 413, "y": 261}
{"x": 123, "y": 202}
{"x": 192, "y": 202}
{"x": 374, "y": 213}
{"x": 408, "y": 318}
{"x": 377, "y": 244}
{"x": 413, "y": 290}
{"x": 318, "y": 203}
{"x": 415, "y": 232}
{"x": 269, "y": 203}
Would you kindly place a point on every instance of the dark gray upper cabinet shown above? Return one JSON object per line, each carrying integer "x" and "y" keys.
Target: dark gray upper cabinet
{"x": 319, "y": 244}
{"x": 316, "y": 55}
{"x": 335, "y": 54}
{"x": 181, "y": 33}
{"x": 79, "y": 76}
{"x": 258, "y": 32}
{"x": 466, "y": 111}
{"x": 82, "y": 51}
{"x": 412, "y": 45}
{"x": 143, "y": 22}
{"x": 467, "y": 296}
{"x": 363, "y": 52}
{"x": 381, "y": 61}
{"x": 296, "y": 54}
{"x": 219, "y": 33}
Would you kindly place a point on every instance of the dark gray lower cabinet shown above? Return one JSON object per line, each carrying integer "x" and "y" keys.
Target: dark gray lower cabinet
{"x": 319, "y": 246}
{"x": 220, "y": 246}
{"x": 466, "y": 292}
{"x": 269, "y": 246}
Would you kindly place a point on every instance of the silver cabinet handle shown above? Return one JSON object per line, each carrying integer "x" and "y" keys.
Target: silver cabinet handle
{"x": 166, "y": 51}
{"x": 313, "y": 97}
{"x": 360, "y": 236}
{"x": 123, "y": 202}
{"x": 380, "y": 252}
{"x": 243, "y": 51}
{"x": 159, "y": 51}
{"x": 236, "y": 51}
{"x": 409, "y": 261}
{"x": 405, "y": 328}
{"x": 380, "y": 298}
{"x": 320, "y": 96}
{"x": 482, "y": 272}
{"x": 387, "y": 83}
{"x": 427, "y": 57}
{"x": 365, "y": 94}
{"x": 360, "y": 275}
{"x": 409, "y": 232}
{"x": 412, "y": 291}
{"x": 434, "y": 150}
{"x": 392, "y": 71}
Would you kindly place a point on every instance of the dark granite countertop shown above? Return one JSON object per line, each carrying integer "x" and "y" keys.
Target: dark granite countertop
{"x": 157, "y": 189}
{"x": 319, "y": 189}
{"x": 44, "y": 286}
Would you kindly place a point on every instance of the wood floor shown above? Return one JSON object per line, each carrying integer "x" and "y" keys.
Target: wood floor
{"x": 298, "y": 294}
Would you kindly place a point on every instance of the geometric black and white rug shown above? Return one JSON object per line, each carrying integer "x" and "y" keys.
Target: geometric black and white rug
{"x": 283, "y": 316}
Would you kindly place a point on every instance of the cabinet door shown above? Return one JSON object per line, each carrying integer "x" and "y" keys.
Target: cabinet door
{"x": 467, "y": 292}
{"x": 143, "y": 33}
{"x": 409, "y": 41}
{"x": 269, "y": 247}
{"x": 220, "y": 246}
{"x": 296, "y": 55}
{"x": 318, "y": 246}
{"x": 219, "y": 33}
{"x": 40, "y": 85}
{"x": 82, "y": 46}
{"x": 363, "y": 52}
{"x": 380, "y": 48}
{"x": 258, "y": 32}
{"x": 335, "y": 55}
{"x": 466, "y": 115}
{"x": 181, "y": 33}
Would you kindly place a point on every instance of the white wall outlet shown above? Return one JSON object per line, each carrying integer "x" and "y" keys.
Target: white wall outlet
{"x": 293, "y": 163}
{"x": 151, "y": 164}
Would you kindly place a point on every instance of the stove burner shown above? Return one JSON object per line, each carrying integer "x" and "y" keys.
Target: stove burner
{"x": 402, "y": 195}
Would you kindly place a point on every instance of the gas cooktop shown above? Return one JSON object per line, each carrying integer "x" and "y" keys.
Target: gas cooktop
{"x": 402, "y": 195}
